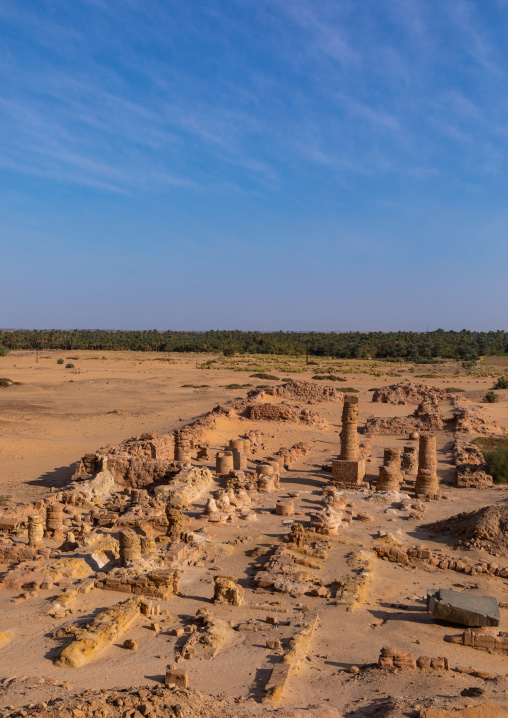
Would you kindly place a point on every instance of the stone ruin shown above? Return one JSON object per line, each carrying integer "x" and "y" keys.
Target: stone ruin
{"x": 427, "y": 483}
{"x": 468, "y": 419}
{"x": 183, "y": 444}
{"x": 409, "y": 459}
{"x": 54, "y": 521}
{"x": 227, "y": 590}
{"x": 35, "y": 531}
{"x": 174, "y": 515}
{"x": 130, "y": 547}
{"x": 392, "y": 658}
{"x": 426, "y": 417}
{"x": 286, "y": 412}
{"x": 154, "y": 485}
{"x": 348, "y": 471}
{"x": 482, "y": 640}
{"x": 390, "y": 477}
{"x": 306, "y": 390}
{"x": 407, "y": 392}
{"x": 470, "y": 463}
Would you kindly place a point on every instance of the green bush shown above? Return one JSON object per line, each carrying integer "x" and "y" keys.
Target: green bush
{"x": 328, "y": 377}
{"x": 5, "y": 382}
{"x": 263, "y": 386}
{"x": 453, "y": 389}
{"x": 3, "y": 351}
{"x": 195, "y": 386}
{"x": 350, "y": 390}
{"x": 69, "y": 366}
{"x": 262, "y": 375}
{"x": 237, "y": 386}
{"x": 491, "y": 397}
{"x": 497, "y": 464}
{"x": 501, "y": 383}
{"x": 59, "y": 361}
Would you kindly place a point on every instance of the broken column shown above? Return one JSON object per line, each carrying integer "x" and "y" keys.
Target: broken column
{"x": 183, "y": 445}
{"x": 237, "y": 448}
{"x": 138, "y": 497}
{"x": 130, "y": 546}
{"x": 174, "y": 515}
{"x": 148, "y": 546}
{"x": 224, "y": 463}
{"x": 54, "y": 520}
{"x": 35, "y": 530}
{"x": 427, "y": 483}
{"x": 410, "y": 459}
{"x": 389, "y": 473}
{"x": 267, "y": 479}
{"x": 226, "y": 590}
{"x": 349, "y": 470}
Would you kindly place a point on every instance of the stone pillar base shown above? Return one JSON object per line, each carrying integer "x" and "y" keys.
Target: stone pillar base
{"x": 348, "y": 474}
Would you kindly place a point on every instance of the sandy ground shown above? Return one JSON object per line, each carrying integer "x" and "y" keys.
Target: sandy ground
{"x": 56, "y": 415}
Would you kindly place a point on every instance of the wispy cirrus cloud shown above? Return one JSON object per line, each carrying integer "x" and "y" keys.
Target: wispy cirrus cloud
{"x": 235, "y": 93}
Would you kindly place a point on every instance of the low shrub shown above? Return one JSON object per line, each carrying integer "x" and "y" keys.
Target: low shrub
{"x": 69, "y": 366}
{"x": 497, "y": 464}
{"x": 195, "y": 386}
{"x": 350, "y": 390}
{"x": 59, "y": 361}
{"x": 237, "y": 386}
{"x": 262, "y": 375}
{"x": 4, "y": 382}
{"x": 501, "y": 383}
{"x": 3, "y": 351}
{"x": 453, "y": 389}
{"x": 491, "y": 397}
{"x": 328, "y": 377}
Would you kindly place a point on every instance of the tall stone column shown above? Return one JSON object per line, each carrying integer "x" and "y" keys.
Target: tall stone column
{"x": 348, "y": 470}
{"x": 349, "y": 446}
{"x": 427, "y": 483}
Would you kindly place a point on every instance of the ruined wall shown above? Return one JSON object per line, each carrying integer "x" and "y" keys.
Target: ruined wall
{"x": 306, "y": 390}
{"x": 285, "y": 412}
{"x": 407, "y": 392}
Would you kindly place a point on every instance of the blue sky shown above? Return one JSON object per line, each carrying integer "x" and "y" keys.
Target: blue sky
{"x": 254, "y": 164}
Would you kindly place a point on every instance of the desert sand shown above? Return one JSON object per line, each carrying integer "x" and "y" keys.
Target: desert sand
{"x": 56, "y": 415}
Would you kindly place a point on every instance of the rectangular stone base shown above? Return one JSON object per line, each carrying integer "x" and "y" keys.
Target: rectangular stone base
{"x": 348, "y": 474}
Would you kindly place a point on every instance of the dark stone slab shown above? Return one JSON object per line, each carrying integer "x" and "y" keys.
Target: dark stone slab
{"x": 463, "y": 608}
